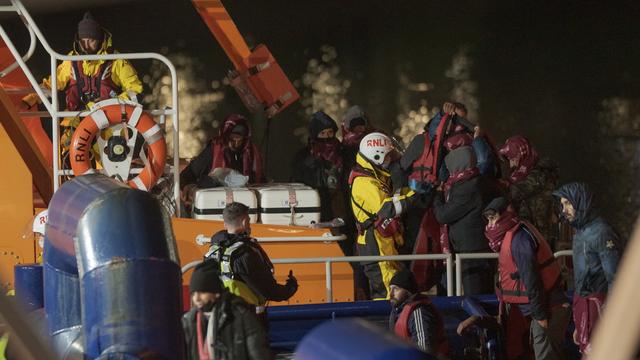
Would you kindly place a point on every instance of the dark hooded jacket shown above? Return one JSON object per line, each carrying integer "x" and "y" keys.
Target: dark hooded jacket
{"x": 462, "y": 211}
{"x": 247, "y": 161}
{"x": 323, "y": 172}
{"x": 239, "y": 334}
{"x": 596, "y": 246}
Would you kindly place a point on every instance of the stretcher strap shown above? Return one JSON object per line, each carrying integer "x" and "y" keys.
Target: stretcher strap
{"x": 293, "y": 202}
{"x": 229, "y": 194}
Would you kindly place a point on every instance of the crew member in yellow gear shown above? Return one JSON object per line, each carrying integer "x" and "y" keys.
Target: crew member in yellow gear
{"x": 87, "y": 82}
{"x": 377, "y": 210}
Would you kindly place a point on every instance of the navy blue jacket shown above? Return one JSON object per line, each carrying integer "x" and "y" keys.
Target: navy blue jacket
{"x": 524, "y": 249}
{"x": 596, "y": 246}
{"x": 423, "y": 325}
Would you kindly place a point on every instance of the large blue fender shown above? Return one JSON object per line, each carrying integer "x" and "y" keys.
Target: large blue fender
{"x": 350, "y": 339}
{"x": 112, "y": 277}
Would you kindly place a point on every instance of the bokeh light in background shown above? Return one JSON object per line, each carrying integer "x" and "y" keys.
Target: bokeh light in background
{"x": 198, "y": 100}
{"x": 322, "y": 87}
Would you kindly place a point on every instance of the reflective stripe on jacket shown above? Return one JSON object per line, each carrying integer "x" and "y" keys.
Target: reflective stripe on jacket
{"x": 229, "y": 280}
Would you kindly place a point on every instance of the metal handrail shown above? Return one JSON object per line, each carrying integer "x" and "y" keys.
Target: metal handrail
{"x": 28, "y": 54}
{"x": 337, "y": 259}
{"x": 462, "y": 256}
{"x": 52, "y": 106}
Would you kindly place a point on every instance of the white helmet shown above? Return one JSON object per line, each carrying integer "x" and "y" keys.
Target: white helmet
{"x": 40, "y": 221}
{"x": 375, "y": 147}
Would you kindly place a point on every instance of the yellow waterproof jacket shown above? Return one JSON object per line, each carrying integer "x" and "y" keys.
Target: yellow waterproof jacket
{"x": 369, "y": 194}
{"x": 123, "y": 74}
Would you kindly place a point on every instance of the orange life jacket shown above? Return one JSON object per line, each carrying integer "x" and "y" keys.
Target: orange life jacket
{"x": 511, "y": 288}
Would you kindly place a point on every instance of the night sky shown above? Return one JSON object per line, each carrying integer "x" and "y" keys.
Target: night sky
{"x": 546, "y": 70}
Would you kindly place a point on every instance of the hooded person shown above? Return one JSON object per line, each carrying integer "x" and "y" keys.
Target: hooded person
{"x": 414, "y": 317}
{"x": 355, "y": 125}
{"x": 459, "y": 209}
{"x": 87, "y": 82}
{"x": 597, "y": 250}
{"x": 377, "y": 210}
{"x": 320, "y": 165}
{"x": 530, "y": 184}
{"x": 220, "y": 325}
{"x": 530, "y": 287}
{"x": 232, "y": 148}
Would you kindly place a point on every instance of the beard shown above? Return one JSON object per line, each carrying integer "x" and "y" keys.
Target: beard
{"x": 206, "y": 307}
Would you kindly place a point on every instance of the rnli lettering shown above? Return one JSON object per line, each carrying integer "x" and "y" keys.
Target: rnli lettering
{"x": 82, "y": 145}
{"x": 377, "y": 142}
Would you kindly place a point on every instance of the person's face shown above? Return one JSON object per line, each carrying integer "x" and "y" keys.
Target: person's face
{"x": 201, "y": 299}
{"x": 326, "y": 134}
{"x": 513, "y": 163}
{"x": 235, "y": 142}
{"x": 359, "y": 129}
{"x": 492, "y": 219}
{"x": 89, "y": 45}
{"x": 460, "y": 111}
{"x": 568, "y": 210}
{"x": 398, "y": 294}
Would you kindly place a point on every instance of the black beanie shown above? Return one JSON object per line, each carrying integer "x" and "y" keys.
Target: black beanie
{"x": 405, "y": 279}
{"x": 498, "y": 205}
{"x": 320, "y": 121}
{"x": 89, "y": 28}
{"x": 206, "y": 278}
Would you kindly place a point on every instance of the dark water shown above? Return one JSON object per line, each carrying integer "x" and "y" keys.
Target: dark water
{"x": 563, "y": 74}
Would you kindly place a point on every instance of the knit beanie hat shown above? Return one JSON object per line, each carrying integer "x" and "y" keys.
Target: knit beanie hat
{"x": 405, "y": 279}
{"x": 89, "y": 28}
{"x": 205, "y": 278}
{"x": 497, "y": 205}
{"x": 320, "y": 121}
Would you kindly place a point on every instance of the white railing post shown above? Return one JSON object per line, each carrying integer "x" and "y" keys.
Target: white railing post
{"x": 449, "y": 275}
{"x": 55, "y": 124}
{"x": 328, "y": 282}
{"x": 458, "y": 275}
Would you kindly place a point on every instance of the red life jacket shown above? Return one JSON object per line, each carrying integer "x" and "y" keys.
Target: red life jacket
{"x": 251, "y": 159}
{"x": 426, "y": 167}
{"x": 401, "y": 327}
{"x": 428, "y": 272}
{"x": 83, "y": 88}
{"x": 510, "y": 287}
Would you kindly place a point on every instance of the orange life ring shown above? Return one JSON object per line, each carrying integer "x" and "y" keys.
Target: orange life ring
{"x": 110, "y": 112}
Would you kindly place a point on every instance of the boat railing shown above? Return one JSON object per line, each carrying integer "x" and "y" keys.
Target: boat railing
{"x": 52, "y": 105}
{"x": 449, "y": 260}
